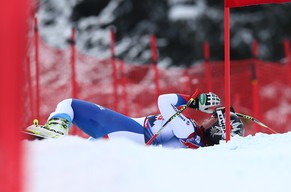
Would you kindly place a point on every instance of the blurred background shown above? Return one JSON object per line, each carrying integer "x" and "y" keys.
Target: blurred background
{"x": 123, "y": 53}
{"x": 181, "y": 28}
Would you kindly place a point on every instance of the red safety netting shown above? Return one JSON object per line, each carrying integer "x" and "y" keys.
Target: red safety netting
{"x": 136, "y": 86}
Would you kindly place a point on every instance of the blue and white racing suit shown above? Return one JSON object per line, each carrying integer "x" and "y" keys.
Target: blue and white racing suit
{"x": 98, "y": 121}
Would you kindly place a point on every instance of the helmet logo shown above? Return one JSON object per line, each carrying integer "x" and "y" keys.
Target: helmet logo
{"x": 202, "y": 99}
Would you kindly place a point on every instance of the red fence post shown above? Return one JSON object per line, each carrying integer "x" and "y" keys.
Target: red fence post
{"x": 114, "y": 69}
{"x": 30, "y": 90}
{"x": 13, "y": 20}
{"x": 288, "y": 56}
{"x": 73, "y": 64}
{"x": 287, "y": 49}
{"x": 227, "y": 71}
{"x": 124, "y": 89}
{"x": 255, "y": 86}
{"x": 207, "y": 66}
{"x": 36, "y": 44}
{"x": 74, "y": 84}
{"x": 155, "y": 63}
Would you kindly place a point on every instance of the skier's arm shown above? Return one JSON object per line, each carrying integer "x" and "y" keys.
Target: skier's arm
{"x": 205, "y": 102}
{"x": 180, "y": 125}
{"x": 168, "y": 104}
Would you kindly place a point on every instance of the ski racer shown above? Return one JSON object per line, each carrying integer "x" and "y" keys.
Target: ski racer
{"x": 181, "y": 132}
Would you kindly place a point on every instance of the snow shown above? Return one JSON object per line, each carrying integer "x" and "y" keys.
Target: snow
{"x": 253, "y": 163}
{"x": 184, "y": 12}
{"x": 73, "y": 164}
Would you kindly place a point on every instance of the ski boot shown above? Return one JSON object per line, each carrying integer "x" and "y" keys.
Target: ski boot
{"x": 54, "y": 128}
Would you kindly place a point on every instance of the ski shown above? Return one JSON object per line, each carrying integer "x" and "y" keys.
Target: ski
{"x": 40, "y": 132}
{"x": 33, "y": 135}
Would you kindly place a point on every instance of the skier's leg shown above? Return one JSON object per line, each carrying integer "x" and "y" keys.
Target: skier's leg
{"x": 98, "y": 121}
{"x": 61, "y": 119}
{"x": 63, "y": 110}
{"x": 139, "y": 138}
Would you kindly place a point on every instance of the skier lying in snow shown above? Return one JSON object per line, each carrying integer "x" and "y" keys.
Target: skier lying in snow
{"x": 181, "y": 132}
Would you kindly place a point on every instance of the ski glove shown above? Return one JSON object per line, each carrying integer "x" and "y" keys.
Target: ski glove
{"x": 205, "y": 102}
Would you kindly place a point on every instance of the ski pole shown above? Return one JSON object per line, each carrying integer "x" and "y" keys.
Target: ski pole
{"x": 256, "y": 121}
{"x": 196, "y": 93}
{"x": 248, "y": 117}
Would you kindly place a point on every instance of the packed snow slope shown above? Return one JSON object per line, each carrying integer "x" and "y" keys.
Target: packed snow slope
{"x": 73, "y": 164}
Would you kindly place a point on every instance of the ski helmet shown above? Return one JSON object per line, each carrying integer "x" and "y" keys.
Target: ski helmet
{"x": 214, "y": 127}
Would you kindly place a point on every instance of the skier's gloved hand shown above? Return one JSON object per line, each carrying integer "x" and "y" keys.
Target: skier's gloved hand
{"x": 194, "y": 104}
{"x": 206, "y": 102}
